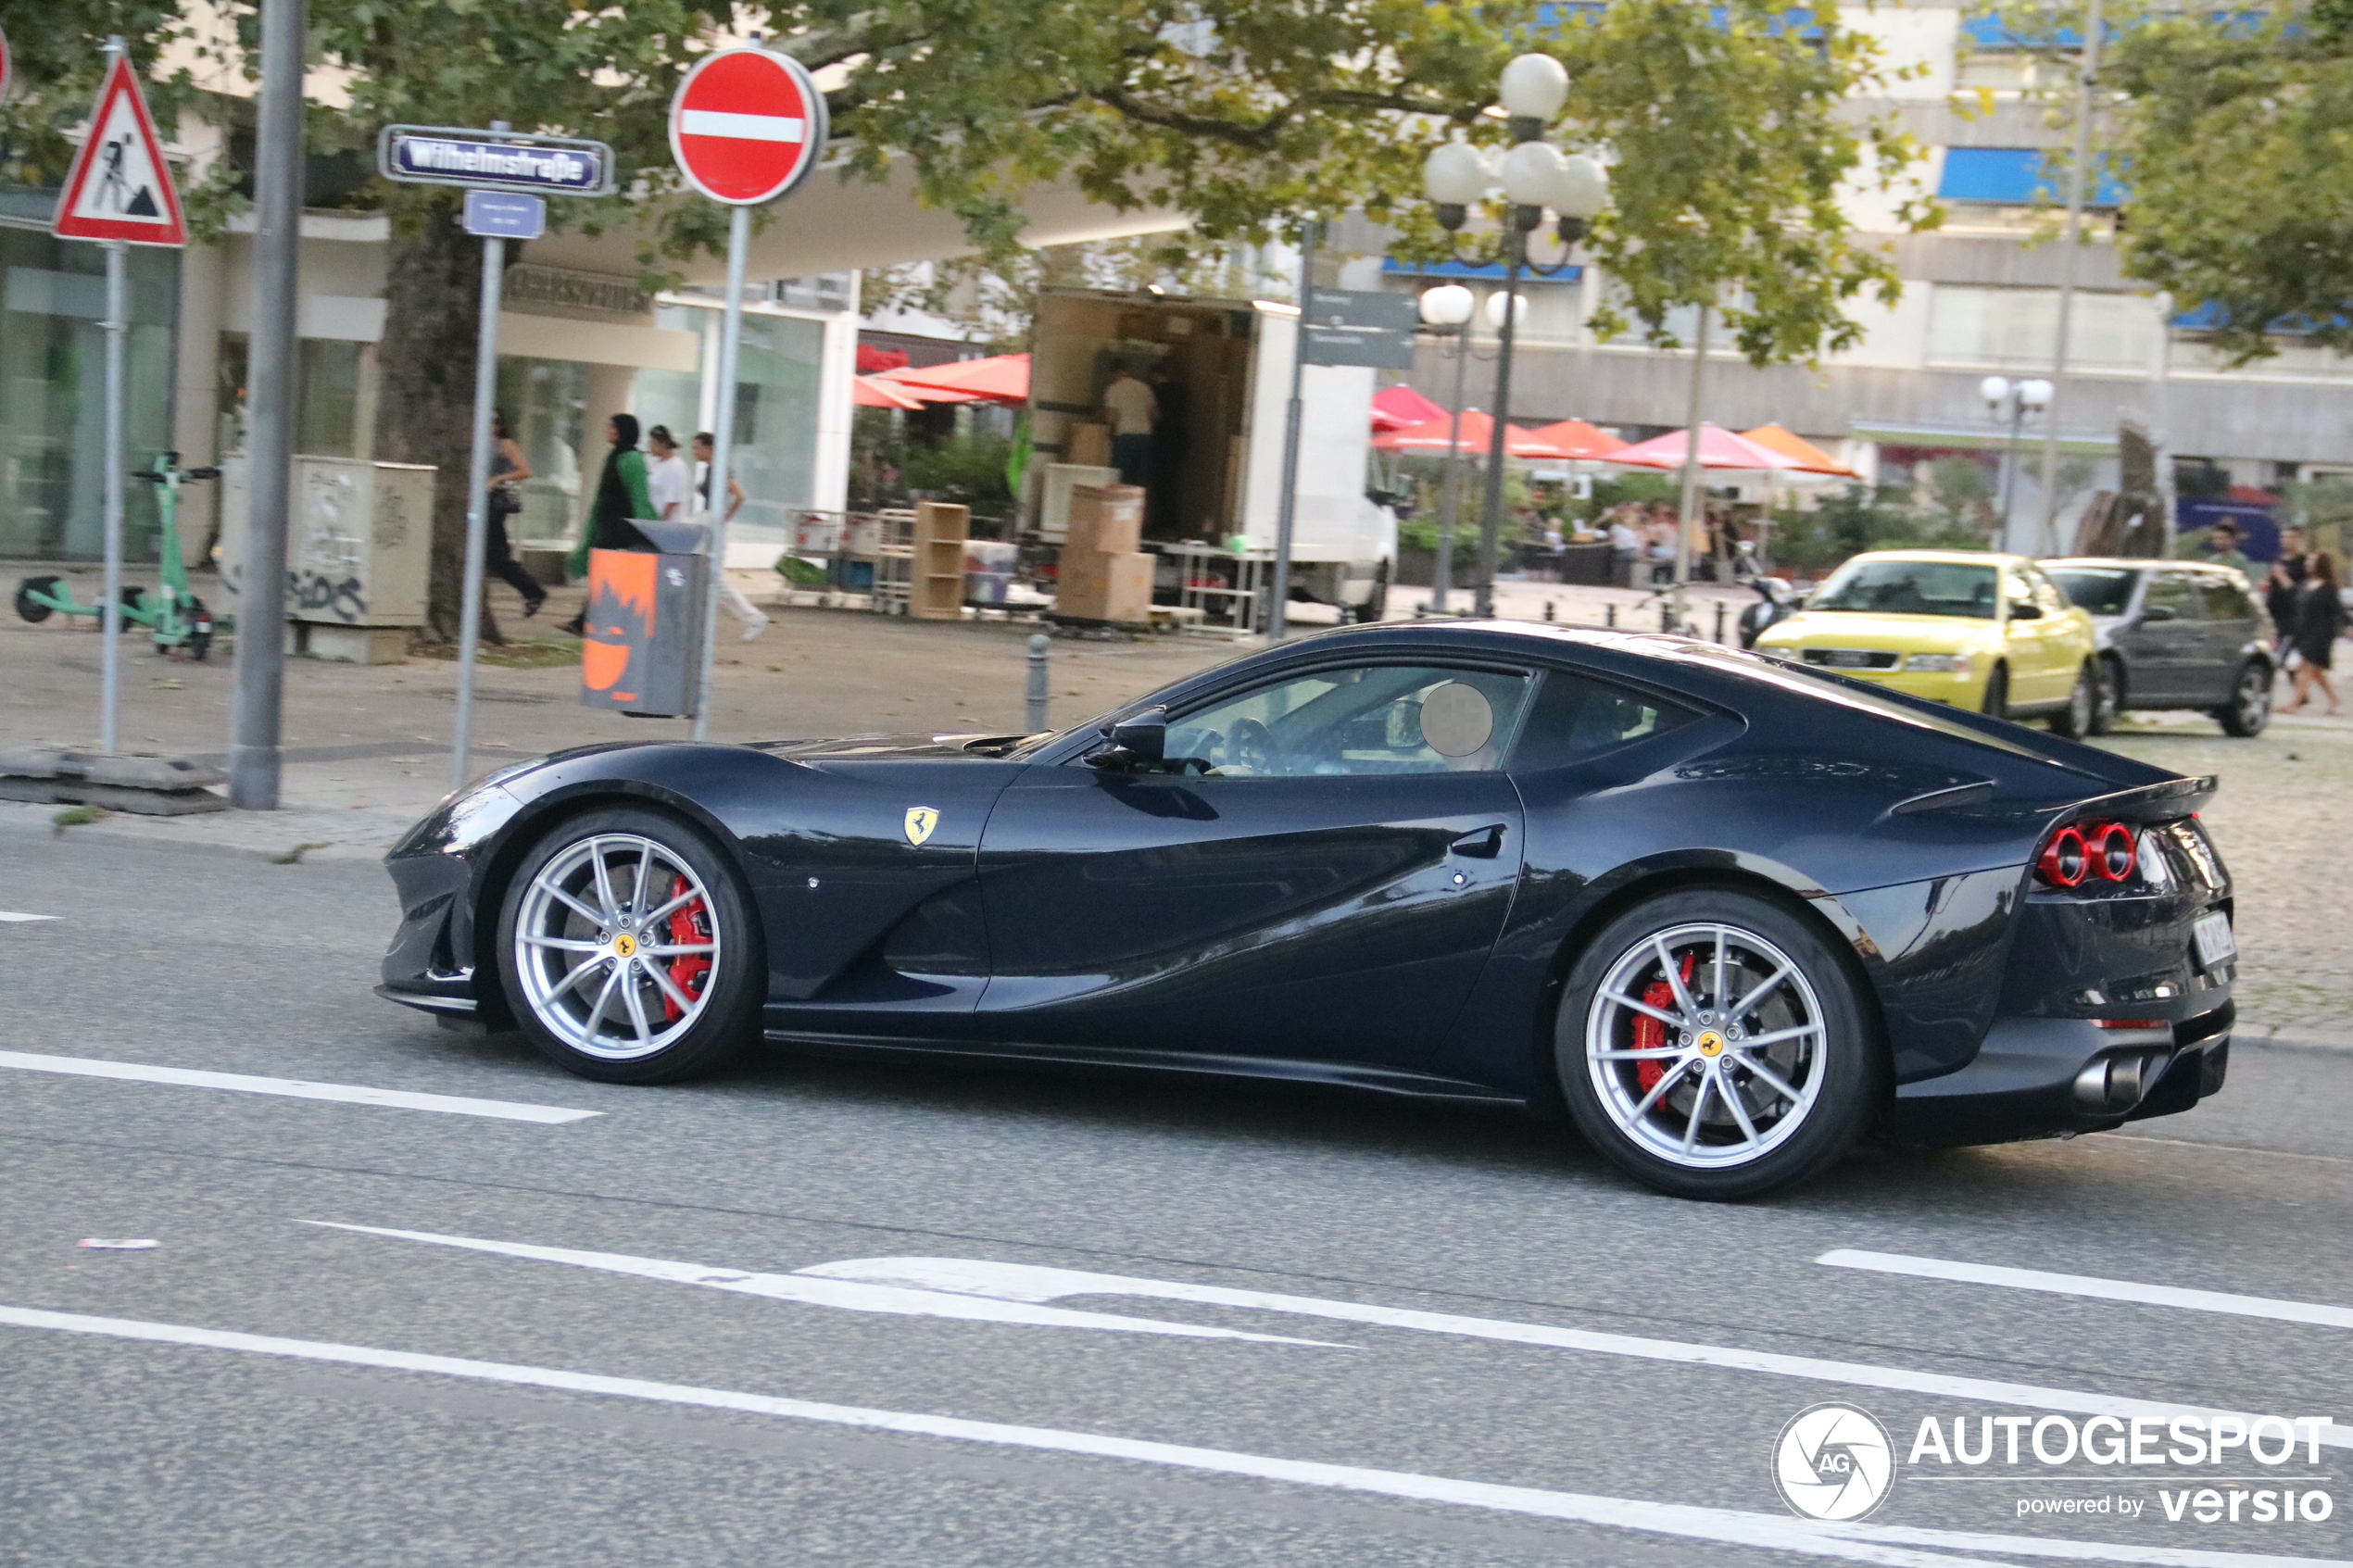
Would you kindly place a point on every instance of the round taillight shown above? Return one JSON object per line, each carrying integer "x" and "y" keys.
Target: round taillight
{"x": 2114, "y": 849}
{"x": 2067, "y": 859}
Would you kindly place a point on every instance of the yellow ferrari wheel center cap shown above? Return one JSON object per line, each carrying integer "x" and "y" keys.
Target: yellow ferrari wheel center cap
{"x": 624, "y": 946}
{"x": 1710, "y": 1043}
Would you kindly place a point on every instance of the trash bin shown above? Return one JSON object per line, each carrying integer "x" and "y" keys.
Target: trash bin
{"x": 641, "y": 651}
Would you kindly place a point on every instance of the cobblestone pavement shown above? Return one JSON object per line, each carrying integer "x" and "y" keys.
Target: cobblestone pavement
{"x": 2280, "y": 823}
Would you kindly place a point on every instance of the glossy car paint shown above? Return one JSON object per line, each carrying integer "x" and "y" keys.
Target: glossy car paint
{"x": 1409, "y": 932}
{"x": 2189, "y": 658}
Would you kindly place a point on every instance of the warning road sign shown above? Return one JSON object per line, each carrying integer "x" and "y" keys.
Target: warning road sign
{"x": 120, "y": 187}
{"x": 746, "y": 126}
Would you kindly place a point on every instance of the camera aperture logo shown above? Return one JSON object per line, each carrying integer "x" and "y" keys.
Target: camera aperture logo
{"x": 1833, "y": 1461}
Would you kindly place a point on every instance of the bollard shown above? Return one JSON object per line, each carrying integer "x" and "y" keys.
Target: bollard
{"x": 1548, "y": 609}
{"x": 1036, "y": 717}
{"x": 1720, "y": 620}
{"x": 1666, "y": 617}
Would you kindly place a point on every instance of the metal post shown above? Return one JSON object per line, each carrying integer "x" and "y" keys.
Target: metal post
{"x": 111, "y": 613}
{"x": 1690, "y": 507}
{"x": 493, "y": 271}
{"x": 1491, "y": 522}
{"x": 1034, "y": 719}
{"x": 1720, "y": 620}
{"x": 1286, "y": 518}
{"x": 2009, "y": 466}
{"x": 1442, "y": 571}
{"x": 2077, "y": 172}
{"x": 256, "y": 713}
{"x": 723, "y": 453}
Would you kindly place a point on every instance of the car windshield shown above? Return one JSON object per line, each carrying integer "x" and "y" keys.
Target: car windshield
{"x": 1909, "y": 587}
{"x": 2102, "y": 590}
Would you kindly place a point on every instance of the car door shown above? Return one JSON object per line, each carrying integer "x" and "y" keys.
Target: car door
{"x": 1317, "y": 870}
{"x": 2165, "y": 634}
{"x": 2030, "y": 632}
{"x": 2232, "y": 624}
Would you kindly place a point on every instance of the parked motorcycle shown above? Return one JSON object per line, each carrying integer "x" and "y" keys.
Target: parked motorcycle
{"x": 1776, "y": 602}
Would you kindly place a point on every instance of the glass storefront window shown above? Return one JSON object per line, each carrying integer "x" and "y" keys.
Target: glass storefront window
{"x": 53, "y": 295}
{"x": 545, "y": 403}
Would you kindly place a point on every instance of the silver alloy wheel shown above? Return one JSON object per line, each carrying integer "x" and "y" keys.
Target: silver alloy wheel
{"x": 617, "y": 946}
{"x": 2110, "y": 692}
{"x": 1727, "y": 1030}
{"x": 2254, "y": 697}
{"x": 2083, "y": 703}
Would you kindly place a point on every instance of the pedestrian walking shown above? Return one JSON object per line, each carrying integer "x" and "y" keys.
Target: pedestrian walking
{"x": 2285, "y": 577}
{"x": 746, "y": 613}
{"x": 621, "y": 495}
{"x": 508, "y": 469}
{"x": 668, "y": 483}
{"x": 2319, "y": 622}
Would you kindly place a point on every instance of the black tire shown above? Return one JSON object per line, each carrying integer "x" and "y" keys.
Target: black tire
{"x": 199, "y": 641}
{"x": 1997, "y": 693}
{"x": 725, "y": 1016}
{"x": 2074, "y": 721}
{"x": 132, "y": 598}
{"x": 2111, "y": 696}
{"x": 28, "y": 608}
{"x": 1841, "y": 1083}
{"x": 2249, "y": 708}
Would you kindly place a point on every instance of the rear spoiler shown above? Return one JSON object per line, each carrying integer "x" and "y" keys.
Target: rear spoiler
{"x": 2160, "y": 802}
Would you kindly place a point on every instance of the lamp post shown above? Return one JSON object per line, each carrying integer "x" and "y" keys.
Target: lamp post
{"x": 1448, "y": 308}
{"x": 2013, "y": 401}
{"x": 1535, "y": 176}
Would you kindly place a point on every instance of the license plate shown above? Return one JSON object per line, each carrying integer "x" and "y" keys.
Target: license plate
{"x": 2212, "y": 937}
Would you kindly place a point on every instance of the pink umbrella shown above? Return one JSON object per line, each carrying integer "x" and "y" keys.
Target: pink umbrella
{"x": 1002, "y": 378}
{"x": 1432, "y": 437}
{"x": 1394, "y": 407}
{"x": 1718, "y": 448}
{"x": 868, "y": 393}
{"x": 1579, "y": 439}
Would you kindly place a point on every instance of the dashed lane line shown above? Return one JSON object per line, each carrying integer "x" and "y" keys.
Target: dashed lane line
{"x": 2086, "y": 1285}
{"x": 10, "y": 917}
{"x": 293, "y": 1088}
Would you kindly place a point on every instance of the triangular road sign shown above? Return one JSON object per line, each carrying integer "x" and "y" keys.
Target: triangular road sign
{"x": 120, "y": 187}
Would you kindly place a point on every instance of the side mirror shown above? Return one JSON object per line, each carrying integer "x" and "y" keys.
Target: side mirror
{"x": 1140, "y": 738}
{"x": 2026, "y": 612}
{"x": 2158, "y": 612}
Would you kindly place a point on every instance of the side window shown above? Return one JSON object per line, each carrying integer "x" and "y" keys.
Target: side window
{"x": 1361, "y": 720}
{"x": 2019, "y": 593}
{"x": 2046, "y": 593}
{"x": 1577, "y": 717}
{"x": 2225, "y": 600}
{"x": 2176, "y": 591}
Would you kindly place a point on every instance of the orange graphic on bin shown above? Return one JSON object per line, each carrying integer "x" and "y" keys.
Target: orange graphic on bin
{"x": 619, "y": 624}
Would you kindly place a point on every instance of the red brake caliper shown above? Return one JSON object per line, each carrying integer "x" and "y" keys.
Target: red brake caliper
{"x": 1650, "y": 1035}
{"x": 688, "y": 924}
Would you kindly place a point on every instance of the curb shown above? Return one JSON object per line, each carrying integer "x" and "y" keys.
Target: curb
{"x": 2294, "y": 1037}
{"x": 276, "y": 843}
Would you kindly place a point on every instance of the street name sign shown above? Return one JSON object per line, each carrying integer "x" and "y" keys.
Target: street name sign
{"x": 505, "y": 214}
{"x": 1363, "y": 327}
{"x": 496, "y": 160}
{"x": 120, "y": 187}
{"x": 746, "y": 126}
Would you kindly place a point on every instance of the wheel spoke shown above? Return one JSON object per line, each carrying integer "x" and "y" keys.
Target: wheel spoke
{"x": 1748, "y": 1003}
{"x": 1730, "y": 1095}
{"x": 604, "y": 881}
{"x": 1667, "y": 1081}
{"x": 1777, "y": 1037}
{"x": 1719, "y": 967}
{"x": 1639, "y": 1056}
{"x": 573, "y": 978}
{"x": 671, "y": 988}
{"x": 1623, "y": 1001}
{"x": 1771, "y": 1078}
{"x": 1699, "y": 1103}
{"x": 596, "y": 1018}
{"x": 635, "y": 1002}
{"x": 1674, "y": 978}
{"x": 673, "y": 949}
{"x": 565, "y": 944}
{"x": 688, "y": 896}
{"x": 582, "y": 910}
{"x": 645, "y": 863}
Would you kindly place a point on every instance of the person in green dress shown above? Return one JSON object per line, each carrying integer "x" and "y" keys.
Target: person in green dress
{"x": 621, "y": 495}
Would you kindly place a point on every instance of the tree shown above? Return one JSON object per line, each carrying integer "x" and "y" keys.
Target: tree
{"x": 55, "y": 44}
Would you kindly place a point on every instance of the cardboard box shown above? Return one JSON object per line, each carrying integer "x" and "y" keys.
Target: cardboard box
{"x": 1087, "y": 446}
{"x": 1105, "y": 587}
{"x": 1105, "y": 518}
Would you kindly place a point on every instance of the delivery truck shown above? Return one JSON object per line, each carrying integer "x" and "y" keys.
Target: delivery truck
{"x": 1220, "y": 370}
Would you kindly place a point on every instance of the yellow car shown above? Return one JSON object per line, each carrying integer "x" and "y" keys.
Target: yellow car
{"x": 1983, "y": 632}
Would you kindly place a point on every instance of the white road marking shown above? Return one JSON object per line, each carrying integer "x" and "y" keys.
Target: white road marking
{"x": 292, "y": 1088}
{"x": 1890, "y": 1545}
{"x": 818, "y": 1292}
{"x": 1024, "y": 1281}
{"x": 2084, "y": 1285}
{"x": 741, "y": 127}
{"x": 9, "y": 917}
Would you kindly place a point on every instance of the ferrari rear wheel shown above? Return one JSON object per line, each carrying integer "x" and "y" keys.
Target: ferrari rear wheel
{"x": 629, "y": 950}
{"x": 1710, "y": 1045}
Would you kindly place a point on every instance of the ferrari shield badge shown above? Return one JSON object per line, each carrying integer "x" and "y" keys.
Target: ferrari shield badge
{"x": 920, "y": 820}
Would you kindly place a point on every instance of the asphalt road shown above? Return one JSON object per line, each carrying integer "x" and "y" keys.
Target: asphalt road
{"x": 1474, "y": 1344}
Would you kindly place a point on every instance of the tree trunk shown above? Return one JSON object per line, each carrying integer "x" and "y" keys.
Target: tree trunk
{"x": 425, "y": 380}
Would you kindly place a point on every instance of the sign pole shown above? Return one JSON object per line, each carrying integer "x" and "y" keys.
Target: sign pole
{"x": 110, "y": 613}
{"x": 1288, "y": 516}
{"x": 494, "y": 273}
{"x": 723, "y": 442}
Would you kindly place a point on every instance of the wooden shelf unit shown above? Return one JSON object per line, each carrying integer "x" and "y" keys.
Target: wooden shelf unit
{"x": 936, "y": 583}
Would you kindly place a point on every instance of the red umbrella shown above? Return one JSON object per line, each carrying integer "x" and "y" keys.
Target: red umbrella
{"x": 867, "y": 392}
{"x": 1718, "y": 448}
{"x": 1579, "y": 439}
{"x": 1432, "y": 437}
{"x": 1394, "y": 407}
{"x": 1003, "y": 378}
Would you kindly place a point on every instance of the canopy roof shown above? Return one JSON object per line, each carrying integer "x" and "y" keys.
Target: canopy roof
{"x": 1394, "y": 407}
{"x": 1718, "y": 448}
{"x": 1433, "y": 436}
{"x": 870, "y": 392}
{"x": 1808, "y": 457}
{"x": 1002, "y": 378}
{"x": 1578, "y": 439}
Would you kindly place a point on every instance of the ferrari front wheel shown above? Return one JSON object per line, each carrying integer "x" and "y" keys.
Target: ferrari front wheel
{"x": 629, "y": 950}
{"x": 1711, "y": 1045}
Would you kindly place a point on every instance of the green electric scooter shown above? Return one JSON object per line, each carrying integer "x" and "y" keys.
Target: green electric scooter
{"x": 181, "y": 625}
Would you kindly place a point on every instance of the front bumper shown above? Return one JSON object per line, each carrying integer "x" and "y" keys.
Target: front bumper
{"x": 1958, "y": 689}
{"x": 2044, "y": 1077}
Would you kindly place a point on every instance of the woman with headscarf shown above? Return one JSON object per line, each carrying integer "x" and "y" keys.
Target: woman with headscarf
{"x": 620, "y": 495}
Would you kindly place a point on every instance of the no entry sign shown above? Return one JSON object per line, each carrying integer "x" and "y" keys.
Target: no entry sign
{"x": 746, "y": 126}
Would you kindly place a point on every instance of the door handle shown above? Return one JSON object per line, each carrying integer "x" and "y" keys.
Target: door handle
{"x": 1483, "y": 844}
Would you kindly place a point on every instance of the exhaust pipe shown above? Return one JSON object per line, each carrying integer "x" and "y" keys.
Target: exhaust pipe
{"x": 2114, "y": 1083}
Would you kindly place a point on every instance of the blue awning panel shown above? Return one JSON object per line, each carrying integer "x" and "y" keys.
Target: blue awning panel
{"x": 1456, "y": 271}
{"x": 2018, "y": 177}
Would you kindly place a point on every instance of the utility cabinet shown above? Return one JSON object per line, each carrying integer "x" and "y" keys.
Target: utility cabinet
{"x": 359, "y": 549}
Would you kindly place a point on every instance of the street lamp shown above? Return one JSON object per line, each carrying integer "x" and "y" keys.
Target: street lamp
{"x": 1448, "y": 308}
{"x": 2013, "y": 401}
{"x": 1535, "y": 176}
